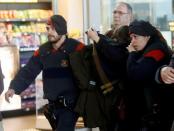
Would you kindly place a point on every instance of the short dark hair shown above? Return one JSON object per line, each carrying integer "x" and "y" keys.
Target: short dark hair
{"x": 59, "y": 23}
{"x": 141, "y": 27}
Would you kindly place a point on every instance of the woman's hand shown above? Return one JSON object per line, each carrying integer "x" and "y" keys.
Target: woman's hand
{"x": 131, "y": 48}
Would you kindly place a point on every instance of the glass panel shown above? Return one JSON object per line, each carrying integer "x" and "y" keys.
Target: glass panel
{"x": 158, "y": 12}
{"x": 106, "y": 13}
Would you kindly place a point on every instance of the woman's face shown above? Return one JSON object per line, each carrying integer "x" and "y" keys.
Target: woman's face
{"x": 138, "y": 41}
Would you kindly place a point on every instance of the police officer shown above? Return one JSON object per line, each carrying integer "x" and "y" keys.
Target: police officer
{"x": 52, "y": 58}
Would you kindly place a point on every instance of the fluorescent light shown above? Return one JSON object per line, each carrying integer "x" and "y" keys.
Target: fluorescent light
{"x": 18, "y": 1}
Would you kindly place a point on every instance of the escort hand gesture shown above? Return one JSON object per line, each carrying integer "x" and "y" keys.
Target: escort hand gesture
{"x": 9, "y": 94}
{"x": 167, "y": 75}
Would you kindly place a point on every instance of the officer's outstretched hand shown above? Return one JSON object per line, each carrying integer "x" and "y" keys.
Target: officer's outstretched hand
{"x": 167, "y": 75}
{"x": 9, "y": 94}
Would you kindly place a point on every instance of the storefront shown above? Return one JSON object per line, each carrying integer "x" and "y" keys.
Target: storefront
{"x": 80, "y": 15}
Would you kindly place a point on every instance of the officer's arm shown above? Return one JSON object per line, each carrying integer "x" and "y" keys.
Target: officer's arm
{"x": 26, "y": 75}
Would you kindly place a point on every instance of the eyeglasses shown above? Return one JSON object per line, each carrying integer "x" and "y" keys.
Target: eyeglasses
{"x": 119, "y": 12}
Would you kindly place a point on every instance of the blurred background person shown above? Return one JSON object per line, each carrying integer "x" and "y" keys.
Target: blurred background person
{"x": 122, "y": 15}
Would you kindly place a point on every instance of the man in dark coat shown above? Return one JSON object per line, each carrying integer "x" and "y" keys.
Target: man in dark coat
{"x": 97, "y": 105}
{"x": 52, "y": 58}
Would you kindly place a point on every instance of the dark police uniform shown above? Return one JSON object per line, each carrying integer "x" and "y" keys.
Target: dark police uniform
{"x": 57, "y": 76}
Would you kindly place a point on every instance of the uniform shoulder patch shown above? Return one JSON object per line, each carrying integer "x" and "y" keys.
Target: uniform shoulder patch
{"x": 36, "y": 53}
{"x": 155, "y": 54}
{"x": 79, "y": 47}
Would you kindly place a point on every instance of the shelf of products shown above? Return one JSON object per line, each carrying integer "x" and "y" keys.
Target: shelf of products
{"x": 28, "y": 97}
{"x": 23, "y": 25}
{"x": 24, "y": 32}
{"x": 28, "y": 36}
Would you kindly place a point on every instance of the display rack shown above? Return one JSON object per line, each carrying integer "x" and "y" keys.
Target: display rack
{"x": 23, "y": 25}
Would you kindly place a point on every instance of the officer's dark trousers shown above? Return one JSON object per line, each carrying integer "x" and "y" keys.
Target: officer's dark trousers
{"x": 66, "y": 119}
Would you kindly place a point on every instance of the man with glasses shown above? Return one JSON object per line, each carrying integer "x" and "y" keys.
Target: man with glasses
{"x": 122, "y": 15}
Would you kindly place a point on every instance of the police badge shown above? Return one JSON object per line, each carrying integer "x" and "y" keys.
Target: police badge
{"x": 64, "y": 63}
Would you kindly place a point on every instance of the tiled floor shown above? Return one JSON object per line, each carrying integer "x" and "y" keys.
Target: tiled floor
{"x": 22, "y": 123}
{"x": 27, "y": 123}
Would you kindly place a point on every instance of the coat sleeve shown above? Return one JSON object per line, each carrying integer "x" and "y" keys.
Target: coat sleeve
{"x": 80, "y": 68}
{"x": 27, "y": 74}
{"x": 158, "y": 75}
{"x": 112, "y": 50}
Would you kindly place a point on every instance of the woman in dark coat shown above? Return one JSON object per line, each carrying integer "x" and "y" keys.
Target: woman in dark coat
{"x": 148, "y": 51}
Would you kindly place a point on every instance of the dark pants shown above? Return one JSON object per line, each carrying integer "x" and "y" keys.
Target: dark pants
{"x": 66, "y": 119}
